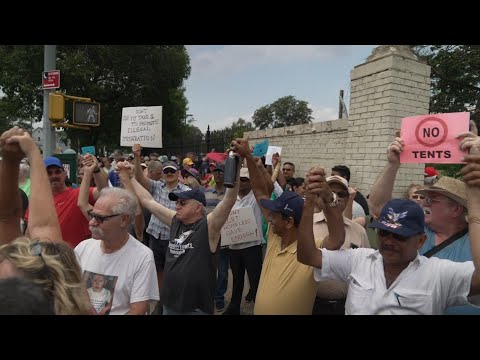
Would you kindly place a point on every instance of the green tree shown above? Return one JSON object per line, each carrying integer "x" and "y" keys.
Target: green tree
{"x": 115, "y": 76}
{"x": 455, "y": 77}
{"x": 455, "y": 84}
{"x": 286, "y": 111}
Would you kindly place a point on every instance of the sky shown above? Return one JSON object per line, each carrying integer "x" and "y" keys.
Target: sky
{"x": 228, "y": 82}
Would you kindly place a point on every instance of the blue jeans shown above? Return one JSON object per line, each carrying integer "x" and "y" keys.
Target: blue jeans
{"x": 222, "y": 274}
{"x": 170, "y": 311}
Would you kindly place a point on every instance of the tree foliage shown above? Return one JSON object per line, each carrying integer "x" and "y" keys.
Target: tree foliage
{"x": 285, "y": 111}
{"x": 220, "y": 139}
{"x": 455, "y": 77}
{"x": 115, "y": 76}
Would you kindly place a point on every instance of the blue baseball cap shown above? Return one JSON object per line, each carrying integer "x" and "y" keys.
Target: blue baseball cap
{"x": 402, "y": 217}
{"x": 196, "y": 194}
{"x": 289, "y": 204}
{"x": 53, "y": 161}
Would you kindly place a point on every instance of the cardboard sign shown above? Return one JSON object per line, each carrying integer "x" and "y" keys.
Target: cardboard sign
{"x": 260, "y": 149}
{"x": 142, "y": 125}
{"x": 88, "y": 150}
{"x": 272, "y": 150}
{"x": 431, "y": 138}
{"x": 240, "y": 227}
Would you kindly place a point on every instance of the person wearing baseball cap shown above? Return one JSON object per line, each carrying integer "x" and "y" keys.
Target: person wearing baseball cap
{"x": 331, "y": 294}
{"x": 73, "y": 223}
{"x": 190, "y": 271}
{"x": 157, "y": 233}
{"x": 286, "y": 286}
{"x": 395, "y": 279}
{"x": 445, "y": 211}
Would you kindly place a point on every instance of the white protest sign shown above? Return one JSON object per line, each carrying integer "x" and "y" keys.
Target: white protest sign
{"x": 240, "y": 227}
{"x": 272, "y": 150}
{"x": 142, "y": 125}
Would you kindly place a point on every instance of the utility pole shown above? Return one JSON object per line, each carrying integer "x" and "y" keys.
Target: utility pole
{"x": 49, "y": 63}
{"x": 340, "y": 105}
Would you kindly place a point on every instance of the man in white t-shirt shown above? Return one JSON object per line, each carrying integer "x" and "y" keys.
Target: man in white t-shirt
{"x": 118, "y": 256}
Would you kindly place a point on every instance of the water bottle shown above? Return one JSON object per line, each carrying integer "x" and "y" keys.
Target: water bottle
{"x": 231, "y": 166}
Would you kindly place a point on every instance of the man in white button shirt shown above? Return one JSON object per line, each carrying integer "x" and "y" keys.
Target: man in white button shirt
{"x": 394, "y": 279}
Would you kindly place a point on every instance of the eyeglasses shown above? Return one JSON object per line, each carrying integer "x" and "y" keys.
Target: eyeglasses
{"x": 243, "y": 179}
{"x": 343, "y": 194}
{"x": 100, "y": 219}
{"x": 429, "y": 201}
{"x": 56, "y": 171}
{"x": 169, "y": 171}
{"x": 385, "y": 233}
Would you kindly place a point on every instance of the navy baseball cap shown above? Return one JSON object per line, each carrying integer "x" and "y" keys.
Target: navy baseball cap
{"x": 196, "y": 194}
{"x": 402, "y": 217}
{"x": 289, "y": 204}
{"x": 220, "y": 167}
{"x": 53, "y": 161}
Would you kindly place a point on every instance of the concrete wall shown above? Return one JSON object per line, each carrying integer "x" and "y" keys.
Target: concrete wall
{"x": 390, "y": 85}
{"x": 307, "y": 145}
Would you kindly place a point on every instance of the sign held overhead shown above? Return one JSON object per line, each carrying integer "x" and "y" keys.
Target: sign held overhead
{"x": 142, "y": 125}
{"x": 431, "y": 138}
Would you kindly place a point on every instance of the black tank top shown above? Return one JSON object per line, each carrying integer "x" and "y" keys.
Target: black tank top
{"x": 190, "y": 272}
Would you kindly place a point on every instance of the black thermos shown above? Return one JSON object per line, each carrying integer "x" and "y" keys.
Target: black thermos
{"x": 231, "y": 165}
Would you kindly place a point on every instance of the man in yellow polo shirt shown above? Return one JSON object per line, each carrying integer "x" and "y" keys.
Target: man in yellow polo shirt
{"x": 286, "y": 286}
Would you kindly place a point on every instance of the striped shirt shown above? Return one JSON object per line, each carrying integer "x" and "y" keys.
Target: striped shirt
{"x": 160, "y": 193}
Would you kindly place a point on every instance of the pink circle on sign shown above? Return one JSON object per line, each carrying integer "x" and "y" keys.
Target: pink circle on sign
{"x": 431, "y": 132}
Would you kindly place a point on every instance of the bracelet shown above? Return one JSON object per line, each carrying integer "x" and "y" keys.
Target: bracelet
{"x": 473, "y": 219}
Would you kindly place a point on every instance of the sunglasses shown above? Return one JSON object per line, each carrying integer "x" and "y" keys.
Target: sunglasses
{"x": 56, "y": 171}
{"x": 243, "y": 179}
{"x": 342, "y": 194}
{"x": 99, "y": 218}
{"x": 418, "y": 197}
{"x": 169, "y": 171}
{"x": 385, "y": 233}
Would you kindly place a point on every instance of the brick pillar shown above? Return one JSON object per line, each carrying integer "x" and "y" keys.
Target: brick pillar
{"x": 390, "y": 85}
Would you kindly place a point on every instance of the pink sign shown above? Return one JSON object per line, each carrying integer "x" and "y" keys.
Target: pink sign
{"x": 431, "y": 138}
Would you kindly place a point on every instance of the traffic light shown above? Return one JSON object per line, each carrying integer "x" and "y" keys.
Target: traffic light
{"x": 86, "y": 113}
{"x": 56, "y": 107}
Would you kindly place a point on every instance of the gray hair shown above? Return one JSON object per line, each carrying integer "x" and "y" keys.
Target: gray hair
{"x": 24, "y": 170}
{"x": 154, "y": 165}
{"x": 126, "y": 202}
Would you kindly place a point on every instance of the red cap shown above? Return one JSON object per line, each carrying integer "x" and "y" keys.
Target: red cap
{"x": 430, "y": 171}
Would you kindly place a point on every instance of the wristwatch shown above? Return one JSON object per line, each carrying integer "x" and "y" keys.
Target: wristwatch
{"x": 97, "y": 170}
{"x": 334, "y": 202}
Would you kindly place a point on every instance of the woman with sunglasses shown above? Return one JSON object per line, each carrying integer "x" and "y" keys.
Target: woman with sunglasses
{"x": 46, "y": 260}
{"x": 412, "y": 195}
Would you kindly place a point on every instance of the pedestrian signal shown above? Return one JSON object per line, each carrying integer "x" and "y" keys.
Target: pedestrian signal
{"x": 86, "y": 113}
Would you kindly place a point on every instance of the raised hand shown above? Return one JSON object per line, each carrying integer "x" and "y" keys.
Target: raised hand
{"x": 470, "y": 141}
{"x": 241, "y": 146}
{"x": 137, "y": 150}
{"x": 124, "y": 169}
{"x": 316, "y": 184}
{"x": 15, "y": 144}
{"x": 276, "y": 159}
{"x": 394, "y": 149}
{"x": 90, "y": 163}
